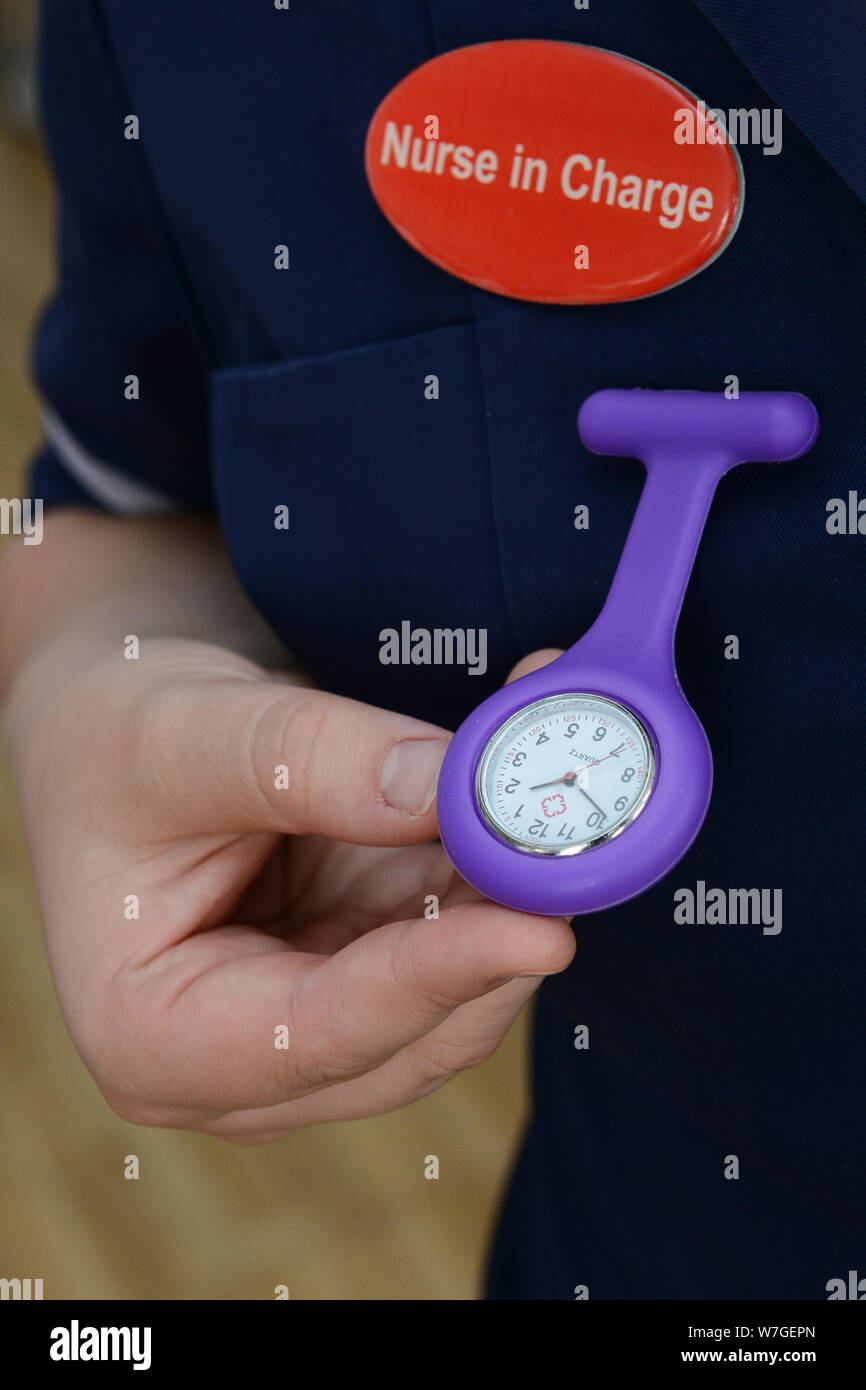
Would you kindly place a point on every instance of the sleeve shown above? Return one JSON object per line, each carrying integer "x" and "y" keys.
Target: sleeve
{"x": 121, "y": 308}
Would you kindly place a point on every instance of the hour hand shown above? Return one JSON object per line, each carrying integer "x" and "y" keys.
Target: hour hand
{"x": 569, "y": 779}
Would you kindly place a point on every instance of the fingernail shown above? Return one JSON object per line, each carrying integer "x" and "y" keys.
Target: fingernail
{"x": 410, "y": 774}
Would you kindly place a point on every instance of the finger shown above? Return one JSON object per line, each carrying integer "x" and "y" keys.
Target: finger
{"x": 213, "y": 1036}
{"x": 534, "y": 662}
{"x": 240, "y": 756}
{"x": 466, "y": 1039}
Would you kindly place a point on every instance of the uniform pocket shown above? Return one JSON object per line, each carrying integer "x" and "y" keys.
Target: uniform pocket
{"x": 378, "y": 453}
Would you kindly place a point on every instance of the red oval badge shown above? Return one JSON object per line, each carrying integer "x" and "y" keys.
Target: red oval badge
{"x": 554, "y": 172}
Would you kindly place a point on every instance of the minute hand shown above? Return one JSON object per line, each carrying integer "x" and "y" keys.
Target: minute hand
{"x": 612, "y": 754}
{"x": 602, "y": 813}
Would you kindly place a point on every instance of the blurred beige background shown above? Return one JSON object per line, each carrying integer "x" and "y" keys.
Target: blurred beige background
{"x": 339, "y": 1212}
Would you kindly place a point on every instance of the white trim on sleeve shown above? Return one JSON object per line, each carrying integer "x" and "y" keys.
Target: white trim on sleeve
{"x": 116, "y": 491}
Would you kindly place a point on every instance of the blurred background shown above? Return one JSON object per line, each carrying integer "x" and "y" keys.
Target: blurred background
{"x": 339, "y": 1212}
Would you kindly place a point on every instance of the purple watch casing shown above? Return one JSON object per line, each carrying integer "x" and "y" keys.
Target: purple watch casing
{"x": 687, "y": 440}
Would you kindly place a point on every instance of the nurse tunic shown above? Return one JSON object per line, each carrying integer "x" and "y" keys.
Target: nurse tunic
{"x": 304, "y": 387}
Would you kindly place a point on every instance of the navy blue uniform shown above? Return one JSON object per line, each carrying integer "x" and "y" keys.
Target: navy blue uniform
{"x": 304, "y": 388}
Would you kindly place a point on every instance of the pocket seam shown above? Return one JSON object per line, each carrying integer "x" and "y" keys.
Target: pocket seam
{"x": 263, "y": 370}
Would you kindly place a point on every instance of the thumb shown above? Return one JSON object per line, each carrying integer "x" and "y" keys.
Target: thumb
{"x": 238, "y": 756}
{"x": 533, "y": 662}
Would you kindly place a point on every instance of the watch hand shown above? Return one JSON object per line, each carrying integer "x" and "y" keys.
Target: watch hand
{"x": 569, "y": 779}
{"x": 616, "y": 752}
{"x": 593, "y": 803}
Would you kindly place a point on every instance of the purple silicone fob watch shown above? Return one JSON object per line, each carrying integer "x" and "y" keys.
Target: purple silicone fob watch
{"x": 582, "y": 784}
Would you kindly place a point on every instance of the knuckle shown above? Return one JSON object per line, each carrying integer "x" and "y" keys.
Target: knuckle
{"x": 319, "y": 1054}
{"x": 150, "y": 720}
{"x": 112, "y": 1038}
{"x": 411, "y": 970}
{"x": 430, "y": 1070}
{"x": 146, "y": 731}
{"x": 478, "y": 1053}
{"x": 289, "y": 730}
{"x": 315, "y": 1064}
{"x": 134, "y": 1110}
{"x": 443, "y": 1059}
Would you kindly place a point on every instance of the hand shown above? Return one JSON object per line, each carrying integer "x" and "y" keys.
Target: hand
{"x": 260, "y": 907}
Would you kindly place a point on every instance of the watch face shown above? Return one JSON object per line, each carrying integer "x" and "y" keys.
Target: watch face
{"x": 565, "y": 774}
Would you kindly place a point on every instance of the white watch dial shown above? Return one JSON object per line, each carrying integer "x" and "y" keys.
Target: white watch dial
{"x": 565, "y": 773}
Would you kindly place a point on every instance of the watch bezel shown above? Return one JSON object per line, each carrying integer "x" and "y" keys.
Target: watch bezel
{"x": 565, "y": 851}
